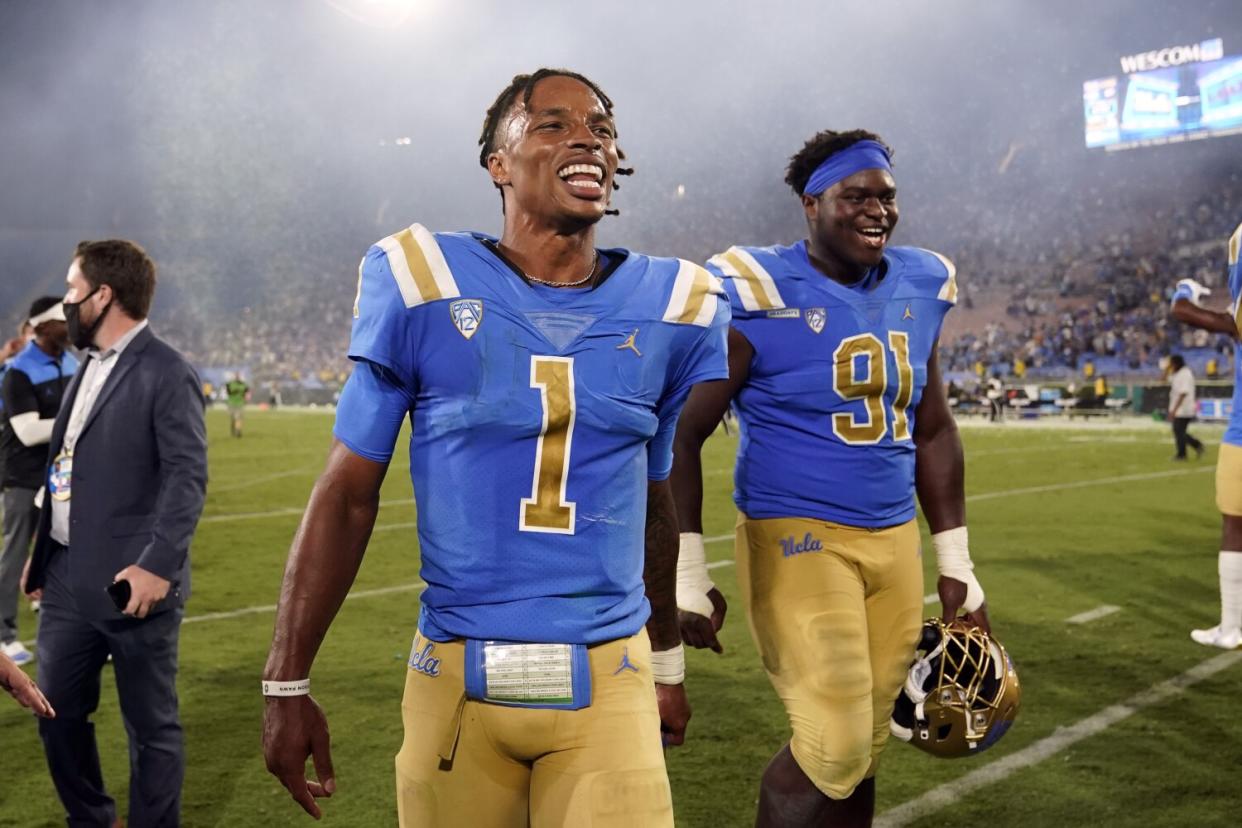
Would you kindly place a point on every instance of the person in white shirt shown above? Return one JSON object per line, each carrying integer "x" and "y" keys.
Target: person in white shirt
{"x": 1182, "y": 406}
{"x": 996, "y": 398}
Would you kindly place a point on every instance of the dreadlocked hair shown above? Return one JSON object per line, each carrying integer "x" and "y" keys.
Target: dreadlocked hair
{"x": 523, "y": 86}
{"x": 817, "y": 150}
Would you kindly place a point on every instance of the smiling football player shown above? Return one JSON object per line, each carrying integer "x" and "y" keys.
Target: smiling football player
{"x": 834, "y": 377}
{"x": 542, "y": 378}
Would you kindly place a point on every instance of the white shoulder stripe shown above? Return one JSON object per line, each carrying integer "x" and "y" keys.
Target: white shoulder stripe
{"x": 418, "y": 266}
{"x": 755, "y": 286}
{"x": 691, "y": 302}
{"x": 948, "y": 291}
{"x": 1235, "y": 242}
{"x": 400, "y": 271}
{"x": 358, "y": 292}
{"x": 435, "y": 259}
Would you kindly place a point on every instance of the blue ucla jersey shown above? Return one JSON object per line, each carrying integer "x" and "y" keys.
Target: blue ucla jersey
{"x": 538, "y": 417}
{"x": 1233, "y": 434}
{"x": 827, "y": 412}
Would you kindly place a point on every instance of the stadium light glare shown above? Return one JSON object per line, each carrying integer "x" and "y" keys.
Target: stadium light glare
{"x": 382, "y": 14}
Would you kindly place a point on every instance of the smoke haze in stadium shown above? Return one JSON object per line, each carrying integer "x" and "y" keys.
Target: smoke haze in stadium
{"x": 245, "y": 143}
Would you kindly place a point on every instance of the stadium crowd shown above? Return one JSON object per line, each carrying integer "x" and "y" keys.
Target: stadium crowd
{"x": 1051, "y": 306}
{"x": 293, "y": 337}
{"x": 1096, "y": 292}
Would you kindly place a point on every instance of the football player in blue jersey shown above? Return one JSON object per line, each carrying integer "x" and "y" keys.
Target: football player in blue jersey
{"x": 1187, "y": 309}
{"x": 834, "y": 378}
{"x": 542, "y": 378}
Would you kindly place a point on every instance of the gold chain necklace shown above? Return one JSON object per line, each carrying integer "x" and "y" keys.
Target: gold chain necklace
{"x": 582, "y": 281}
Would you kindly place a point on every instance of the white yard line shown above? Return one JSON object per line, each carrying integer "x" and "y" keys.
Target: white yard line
{"x": 1091, "y": 615}
{"x": 1077, "y": 484}
{"x": 947, "y": 794}
{"x": 258, "y": 481}
{"x": 942, "y": 796}
{"x": 388, "y": 527}
{"x": 1054, "y": 487}
{"x": 1083, "y": 484}
{"x": 361, "y": 593}
{"x": 229, "y": 518}
{"x": 930, "y": 598}
{"x": 292, "y": 510}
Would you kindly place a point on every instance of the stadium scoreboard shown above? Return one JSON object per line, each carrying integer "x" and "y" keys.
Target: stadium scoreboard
{"x": 1166, "y": 96}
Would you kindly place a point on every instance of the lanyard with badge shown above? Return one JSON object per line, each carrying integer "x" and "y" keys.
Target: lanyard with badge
{"x": 60, "y": 476}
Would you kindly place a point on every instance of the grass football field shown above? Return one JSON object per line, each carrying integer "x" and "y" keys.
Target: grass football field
{"x": 1124, "y": 720}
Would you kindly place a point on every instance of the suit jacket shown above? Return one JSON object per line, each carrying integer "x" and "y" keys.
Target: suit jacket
{"x": 139, "y": 477}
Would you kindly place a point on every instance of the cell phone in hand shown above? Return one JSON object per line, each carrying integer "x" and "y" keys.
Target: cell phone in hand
{"x": 119, "y": 592}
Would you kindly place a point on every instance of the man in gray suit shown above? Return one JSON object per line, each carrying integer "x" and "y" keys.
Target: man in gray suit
{"x": 125, "y": 486}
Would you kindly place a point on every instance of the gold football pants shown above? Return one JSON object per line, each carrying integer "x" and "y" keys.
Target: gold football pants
{"x": 835, "y": 612}
{"x": 1229, "y": 480}
{"x": 466, "y": 762}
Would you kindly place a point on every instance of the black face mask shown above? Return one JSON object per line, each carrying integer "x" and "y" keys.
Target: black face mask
{"x": 83, "y": 338}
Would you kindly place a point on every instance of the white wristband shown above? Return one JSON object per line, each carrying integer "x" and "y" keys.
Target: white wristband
{"x": 953, "y": 560}
{"x": 286, "y": 688}
{"x": 669, "y": 666}
{"x": 693, "y": 582}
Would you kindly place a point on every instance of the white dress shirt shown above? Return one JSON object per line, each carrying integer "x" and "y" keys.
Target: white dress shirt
{"x": 95, "y": 373}
{"x": 1183, "y": 382}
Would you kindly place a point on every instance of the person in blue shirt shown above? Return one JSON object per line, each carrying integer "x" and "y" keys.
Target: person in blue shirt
{"x": 834, "y": 378}
{"x": 542, "y": 379}
{"x": 31, "y": 392}
{"x": 1187, "y": 309}
{"x": 8, "y": 351}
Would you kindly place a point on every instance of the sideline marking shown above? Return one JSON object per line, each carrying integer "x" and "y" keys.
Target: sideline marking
{"x": 942, "y": 796}
{"x": 362, "y": 593}
{"x": 1053, "y": 487}
{"x": 713, "y": 539}
{"x": 1091, "y": 615}
{"x": 259, "y": 481}
{"x": 949, "y": 793}
{"x": 1082, "y": 484}
{"x": 292, "y": 510}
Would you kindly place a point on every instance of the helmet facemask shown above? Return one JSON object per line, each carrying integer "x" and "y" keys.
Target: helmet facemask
{"x": 961, "y": 693}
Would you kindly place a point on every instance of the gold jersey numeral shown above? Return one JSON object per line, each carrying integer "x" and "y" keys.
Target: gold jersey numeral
{"x": 845, "y": 381}
{"x": 868, "y": 382}
{"x": 899, "y": 342}
{"x": 546, "y": 510}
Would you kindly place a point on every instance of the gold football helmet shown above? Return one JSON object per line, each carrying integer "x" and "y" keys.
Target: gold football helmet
{"x": 960, "y": 695}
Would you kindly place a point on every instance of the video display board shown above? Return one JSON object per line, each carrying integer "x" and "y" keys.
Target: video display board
{"x": 1168, "y": 103}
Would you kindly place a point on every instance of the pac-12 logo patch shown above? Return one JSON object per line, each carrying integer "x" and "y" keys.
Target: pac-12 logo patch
{"x": 467, "y": 316}
{"x": 816, "y": 318}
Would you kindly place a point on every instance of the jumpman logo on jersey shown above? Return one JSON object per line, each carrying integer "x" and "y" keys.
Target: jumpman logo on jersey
{"x": 907, "y": 314}
{"x": 629, "y": 343}
{"x": 626, "y": 664}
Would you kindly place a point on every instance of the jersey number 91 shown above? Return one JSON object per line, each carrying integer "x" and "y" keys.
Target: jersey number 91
{"x": 860, "y": 372}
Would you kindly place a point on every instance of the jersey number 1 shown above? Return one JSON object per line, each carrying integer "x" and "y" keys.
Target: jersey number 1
{"x": 867, "y": 348}
{"x": 546, "y": 510}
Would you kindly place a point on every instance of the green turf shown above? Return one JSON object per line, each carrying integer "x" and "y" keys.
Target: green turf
{"x": 1146, "y": 545}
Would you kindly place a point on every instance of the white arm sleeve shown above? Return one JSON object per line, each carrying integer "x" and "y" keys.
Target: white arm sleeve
{"x": 30, "y": 429}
